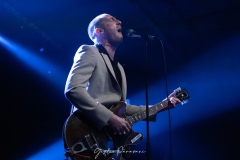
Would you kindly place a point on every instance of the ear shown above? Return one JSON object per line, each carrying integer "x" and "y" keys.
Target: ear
{"x": 98, "y": 31}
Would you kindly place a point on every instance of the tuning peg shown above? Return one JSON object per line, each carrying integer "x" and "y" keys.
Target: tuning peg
{"x": 184, "y": 102}
{"x": 178, "y": 89}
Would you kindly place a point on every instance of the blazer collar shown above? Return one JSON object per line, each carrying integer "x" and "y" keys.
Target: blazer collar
{"x": 107, "y": 58}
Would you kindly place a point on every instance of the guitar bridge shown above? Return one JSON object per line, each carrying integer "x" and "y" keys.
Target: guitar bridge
{"x": 88, "y": 142}
{"x": 77, "y": 148}
{"x": 91, "y": 141}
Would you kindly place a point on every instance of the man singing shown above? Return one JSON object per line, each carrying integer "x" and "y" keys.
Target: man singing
{"x": 97, "y": 80}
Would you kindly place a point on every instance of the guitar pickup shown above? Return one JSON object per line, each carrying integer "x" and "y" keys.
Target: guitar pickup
{"x": 91, "y": 141}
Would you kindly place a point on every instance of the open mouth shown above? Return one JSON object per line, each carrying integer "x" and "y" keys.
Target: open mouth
{"x": 120, "y": 30}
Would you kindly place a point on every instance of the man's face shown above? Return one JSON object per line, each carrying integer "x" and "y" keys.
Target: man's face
{"x": 112, "y": 30}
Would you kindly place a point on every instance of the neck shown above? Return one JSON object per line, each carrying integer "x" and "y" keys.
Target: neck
{"x": 110, "y": 49}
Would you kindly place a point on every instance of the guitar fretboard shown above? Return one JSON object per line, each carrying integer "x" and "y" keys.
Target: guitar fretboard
{"x": 142, "y": 114}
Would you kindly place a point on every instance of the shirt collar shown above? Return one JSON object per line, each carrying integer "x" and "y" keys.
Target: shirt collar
{"x": 101, "y": 49}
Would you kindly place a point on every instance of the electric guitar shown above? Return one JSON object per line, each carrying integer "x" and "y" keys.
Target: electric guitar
{"x": 83, "y": 141}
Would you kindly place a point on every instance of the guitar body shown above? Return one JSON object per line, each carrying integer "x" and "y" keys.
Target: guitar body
{"x": 84, "y": 141}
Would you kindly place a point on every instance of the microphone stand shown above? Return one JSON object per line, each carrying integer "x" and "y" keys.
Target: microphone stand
{"x": 130, "y": 33}
{"x": 147, "y": 105}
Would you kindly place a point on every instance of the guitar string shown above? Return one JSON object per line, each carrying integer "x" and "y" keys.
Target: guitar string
{"x": 102, "y": 135}
{"x": 142, "y": 115}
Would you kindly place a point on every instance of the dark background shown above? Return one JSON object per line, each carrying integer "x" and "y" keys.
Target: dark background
{"x": 38, "y": 40}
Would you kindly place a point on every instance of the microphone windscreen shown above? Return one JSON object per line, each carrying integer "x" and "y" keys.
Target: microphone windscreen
{"x": 129, "y": 32}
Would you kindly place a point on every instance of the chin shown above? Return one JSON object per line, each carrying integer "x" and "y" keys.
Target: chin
{"x": 120, "y": 41}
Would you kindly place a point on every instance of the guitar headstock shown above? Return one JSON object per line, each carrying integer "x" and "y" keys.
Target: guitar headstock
{"x": 182, "y": 95}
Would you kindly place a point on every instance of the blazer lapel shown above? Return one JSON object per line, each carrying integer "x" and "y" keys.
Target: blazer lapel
{"x": 124, "y": 83}
{"x": 109, "y": 65}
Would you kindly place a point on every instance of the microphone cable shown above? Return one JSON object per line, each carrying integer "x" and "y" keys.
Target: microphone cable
{"x": 130, "y": 33}
{"x": 167, "y": 93}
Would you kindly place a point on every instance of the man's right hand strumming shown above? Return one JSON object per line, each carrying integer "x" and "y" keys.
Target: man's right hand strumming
{"x": 119, "y": 125}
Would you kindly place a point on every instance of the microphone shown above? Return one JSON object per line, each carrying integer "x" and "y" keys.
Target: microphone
{"x": 130, "y": 33}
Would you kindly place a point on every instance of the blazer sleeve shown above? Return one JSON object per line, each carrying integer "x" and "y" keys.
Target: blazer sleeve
{"x": 75, "y": 90}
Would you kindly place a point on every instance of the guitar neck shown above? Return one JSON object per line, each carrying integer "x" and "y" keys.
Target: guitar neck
{"x": 142, "y": 114}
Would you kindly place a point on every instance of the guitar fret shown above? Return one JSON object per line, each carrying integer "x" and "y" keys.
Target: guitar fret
{"x": 133, "y": 120}
{"x": 136, "y": 118}
{"x": 145, "y": 114}
{"x": 139, "y": 116}
{"x": 142, "y": 114}
{"x": 151, "y": 111}
{"x": 130, "y": 121}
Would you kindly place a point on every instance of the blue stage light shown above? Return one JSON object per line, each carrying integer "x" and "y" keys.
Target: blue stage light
{"x": 50, "y": 71}
{"x": 54, "y": 151}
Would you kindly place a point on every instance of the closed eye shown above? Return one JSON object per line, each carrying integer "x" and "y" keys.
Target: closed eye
{"x": 112, "y": 19}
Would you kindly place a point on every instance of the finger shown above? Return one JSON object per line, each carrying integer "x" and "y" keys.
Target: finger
{"x": 172, "y": 94}
{"x": 175, "y": 99}
{"x": 173, "y": 104}
{"x": 122, "y": 131}
{"x": 125, "y": 129}
{"x": 128, "y": 127}
{"x": 172, "y": 100}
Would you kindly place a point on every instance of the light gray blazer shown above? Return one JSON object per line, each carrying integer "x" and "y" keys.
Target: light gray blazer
{"x": 92, "y": 85}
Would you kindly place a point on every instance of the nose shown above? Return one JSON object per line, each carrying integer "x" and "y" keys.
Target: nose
{"x": 119, "y": 22}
